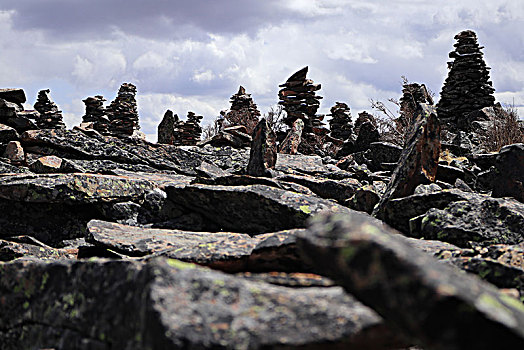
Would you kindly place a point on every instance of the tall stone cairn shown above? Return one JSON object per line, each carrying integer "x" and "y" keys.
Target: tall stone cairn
{"x": 467, "y": 87}
{"x": 299, "y": 99}
{"x": 122, "y": 111}
{"x": 188, "y": 133}
{"x": 243, "y": 110}
{"x": 50, "y": 116}
{"x": 166, "y": 128}
{"x": 340, "y": 123}
{"x": 96, "y": 114}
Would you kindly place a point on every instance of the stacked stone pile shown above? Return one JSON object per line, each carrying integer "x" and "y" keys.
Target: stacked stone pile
{"x": 96, "y": 114}
{"x": 50, "y": 116}
{"x": 243, "y": 110}
{"x": 340, "y": 123}
{"x": 188, "y": 133}
{"x": 467, "y": 87}
{"x": 123, "y": 112}
{"x": 299, "y": 99}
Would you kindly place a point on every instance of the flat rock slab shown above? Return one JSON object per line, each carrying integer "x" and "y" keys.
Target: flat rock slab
{"x": 479, "y": 219}
{"x": 167, "y": 304}
{"x": 431, "y": 303}
{"x": 71, "y": 188}
{"x": 339, "y": 190}
{"x": 10, "y": 250}
{"x": 300, "y": 164}
{"x": 251, "y": 209}
{"x": 223, "y": 250}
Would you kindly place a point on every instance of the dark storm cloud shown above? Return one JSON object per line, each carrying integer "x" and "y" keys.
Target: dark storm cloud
{"x": 155, "y": 18}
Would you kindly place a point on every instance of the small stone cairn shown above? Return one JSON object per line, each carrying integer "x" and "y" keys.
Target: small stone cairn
{"x": 50, "y": 116}
{"x": 96, "y": 114}
{"x": 243, "y": 110}
{"x": 122, "y": 112}
{"x": 340, "y": 123}
{"x": 188, "y": 133}
{"x": 467, "y": 87}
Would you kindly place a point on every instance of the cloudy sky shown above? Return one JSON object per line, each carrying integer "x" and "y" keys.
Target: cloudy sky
{"x": 193, "y": 55}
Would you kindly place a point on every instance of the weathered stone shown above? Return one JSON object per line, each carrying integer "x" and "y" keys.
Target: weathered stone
{"x": 340, "y": 122}
{"x": 169, "y": 304}
{"x": 13, "y": 95}
{"x": 480, "y": 219}
{"x": 7, "y": 134}
{"x": 339, "y": 190}
{"x": 510, "y": 172}
{"x": 263, "y": 155}
{"x": 418, "y": 161}
{"x": 293, "y": 138}
{"x": 6, "y": 168}
{"x": 364, "y": 199}
{"x": 122, "y": 112}
{"x": 250, "y": 209}
{"x": 17, "y": 248}
{"x": 96, "y": 115}
{"x": 166, "y": 128}
{"x": 367, "y": 134}
{"x": 414, "y": 293}
{"x": 46, "y": 165}
{"x": 243, "y": 111}
{"x": 299, "y": 164}
{"x": 449, "y": 174}
{"x": 15, "y": 153}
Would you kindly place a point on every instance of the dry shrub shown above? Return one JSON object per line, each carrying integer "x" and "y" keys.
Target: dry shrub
{"x": 275, "y": 118}
{"x": 504, "y": 129}
{"x": 211, "y": 129}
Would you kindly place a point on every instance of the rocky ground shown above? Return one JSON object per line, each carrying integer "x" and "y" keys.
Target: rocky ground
{"x": 118, "y": 243}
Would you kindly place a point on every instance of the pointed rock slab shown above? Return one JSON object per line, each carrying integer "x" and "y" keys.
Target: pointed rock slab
{"x": 168, "y": 304}
{"x": 418, "y": 161}
{"x": 46, "y": 165}
{"x": 293, "y": 138}
{"x": 430, "y": 303}
{"x": 221, "y": 250}
{"x": 251, "y": 209}
{"x": 166, "y": 128}
{"x": 263, "y": 155}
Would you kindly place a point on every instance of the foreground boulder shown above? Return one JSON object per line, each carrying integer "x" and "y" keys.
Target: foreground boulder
{"x": 510, "y": 172}
{"x": 430, "y": 303}
{"x": 168, "y": 305}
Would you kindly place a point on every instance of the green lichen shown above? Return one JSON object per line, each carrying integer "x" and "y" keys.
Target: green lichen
{"x": 179, "y": 264}
{"x": 305, "y": 209}
{"x": 348, "y": 252}
{"x": 512, "y": 302}
{"x": 26, "y": 305}
{"x": 45, "y": 277}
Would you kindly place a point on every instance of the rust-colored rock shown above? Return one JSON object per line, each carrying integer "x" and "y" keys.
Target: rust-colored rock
{"x": 263, "y": 155}
{"x": 293, "y": 138}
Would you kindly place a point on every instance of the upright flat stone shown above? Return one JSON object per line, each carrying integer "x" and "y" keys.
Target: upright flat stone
{"x": 418, "y": 161}
{"x": 293, "y": 138}
{"x": 510, "y": 172}
{"x": 431, "y": 303}
{"x": 263, "y": 155}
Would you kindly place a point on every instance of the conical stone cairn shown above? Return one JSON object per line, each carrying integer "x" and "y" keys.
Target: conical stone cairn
{"x": 243, "y": 110}
{"x": 340, "y": 123}
{"x": 50, "y": 116}
{"x": 467, "y": 87}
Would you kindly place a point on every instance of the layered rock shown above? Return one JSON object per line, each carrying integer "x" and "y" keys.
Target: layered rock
{"x": 96, "y": 115}
{"x": 412, "y": 95}
{"x": 467, "y": 87}
{"x": 122, "y": 112}
{"x": 50, "y": 117}
{"x": 263, "y": 155}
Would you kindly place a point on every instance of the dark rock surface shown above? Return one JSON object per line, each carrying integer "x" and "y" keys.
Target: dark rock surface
{"x": 509, "y": 164}
{"x": 170, "y": 304}
{"x": 263, "y": 154}
{"x": 383, "y": 271}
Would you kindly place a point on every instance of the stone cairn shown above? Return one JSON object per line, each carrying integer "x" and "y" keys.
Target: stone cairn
{"x": 95, "y": 114}
{"x": 467, "y": 87}
{"x": 50, "y": 116}
{"x": 299, "y": 99}
{"x": 243, "y": 111}
{"x": 340, "y": 123}
{"x": 300, "y": 102}
{"x": 122, "y": 112}
{"x": 188, "y": 133}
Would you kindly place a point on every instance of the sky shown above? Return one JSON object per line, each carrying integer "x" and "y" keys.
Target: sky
{"x": 193, "y": 55}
